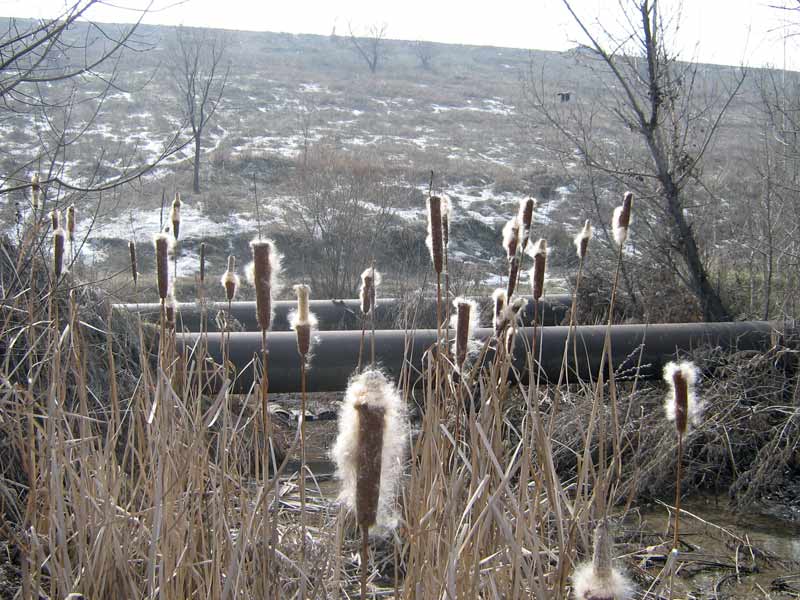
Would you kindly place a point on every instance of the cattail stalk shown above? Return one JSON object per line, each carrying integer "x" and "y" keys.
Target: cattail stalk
{"x": 682, "y": 408}
{"x": 511, "y": 244}
{"x": 59, "y": 237}
{"x": 435, "y": 244}
{"x": 55, "y": 219}
{"x": 369, "y": 453}
{"x": 134, "y": 270}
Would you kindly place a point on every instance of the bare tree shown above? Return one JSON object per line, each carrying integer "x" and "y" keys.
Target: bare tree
{"x": 200, "y": 75}
{"x": 56, "y": 76}
{"x": 426, "y": 52}
{"x": 660, "y": 123}
{"x": 370, "y": 46}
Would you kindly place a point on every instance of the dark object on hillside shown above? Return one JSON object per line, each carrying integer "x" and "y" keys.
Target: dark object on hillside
{"x": 334, "y": 315}
{"x": 336, "y": 352}
{"x": 563, "y": 96}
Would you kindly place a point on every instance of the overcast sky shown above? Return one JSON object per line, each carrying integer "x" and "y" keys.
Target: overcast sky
{"x": 735, "y": 32}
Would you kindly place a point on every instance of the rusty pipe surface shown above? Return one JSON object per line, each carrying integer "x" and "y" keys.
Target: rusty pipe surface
{"x": 335, "y": 353}
{"x": 338, "y": 314}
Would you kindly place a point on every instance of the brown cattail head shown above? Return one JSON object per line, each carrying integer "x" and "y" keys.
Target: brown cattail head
{"x": 434, "y": 240}
{"x": 370, "y": 280}
{"x": 36, "y": 191}
{"x": 134, "y": 270}
{"x": 499, "y": 298}
{"x": 582, "y": 240}
{"x": 464, "y": 321}
{"x": 525, "y": 216}
{"x": 302, "y": 320}
{"x": 511, "y": 237}
{"x": 162, "y": 243}
{"x": 230, "y": 280}
{"x": 370, "y": 448}
{"x": 59, "y": 239}
{"x": 175, "y": 215}
{"x": 622, "y": 219}
{"x": 71, "y": 223}
{"x": 539, "y": 253}
{"x": 55, "y": 218}
{"x": 682, "y": 405}
{"x": 601, "y": 557}
{"x": 513, "y": 275}
{"x": 263, "y": 273}
{"x": 202, "y": 262}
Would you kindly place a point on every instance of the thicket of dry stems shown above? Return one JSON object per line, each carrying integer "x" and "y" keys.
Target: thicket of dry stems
{"x": 125, "y": 478}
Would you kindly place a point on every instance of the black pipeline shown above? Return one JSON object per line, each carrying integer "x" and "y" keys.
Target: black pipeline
{"x": 335, "y": 353}
{"x": 390, "y": 313}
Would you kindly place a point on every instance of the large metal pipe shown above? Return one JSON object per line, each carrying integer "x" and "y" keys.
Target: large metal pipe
{"x": 339, "y": 314}
{"x": 335, "y": 354}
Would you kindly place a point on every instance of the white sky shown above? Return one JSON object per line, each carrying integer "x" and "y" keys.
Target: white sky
{"x": 733, "y": 32}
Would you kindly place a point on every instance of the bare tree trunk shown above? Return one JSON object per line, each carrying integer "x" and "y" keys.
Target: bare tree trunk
{"x": 196, "y": 179}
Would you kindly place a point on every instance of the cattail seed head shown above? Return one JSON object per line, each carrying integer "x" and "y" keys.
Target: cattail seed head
{"x": 59, "y": 237}
{"x": 134, "y": 270}
{"x": 525, "y": 216}
{"x": 582, "y": 240}
{"x": 513, "y": 275}
{"x": 539, "y": 253}
{"x": 202, "y": 262}
{"x": 36, "y": 191}
{"x": 263, "y": 274}
{"x": 434, "y": 240}
{"x": 230, "y": 280}
{"x": 464, "y": 322}
{"x": 622, "y": 219}
{"x": 598, "y": 580}
{"x": 511, "y": 237}
{"x": 170, "y": 308}
{"x": 162, "y": 243}
{"x": 445, "y": 209}
{"x": 367, "y": 293}
{"x": 302, "y": 320}
{"x": 498, "y": 313}
{"x": 71, "y": 223}
{"x": 175, "y": 215}
{"x": 370, "y": 448}
{"x": 55, "y": 218}
{"x": 682, "y": 405}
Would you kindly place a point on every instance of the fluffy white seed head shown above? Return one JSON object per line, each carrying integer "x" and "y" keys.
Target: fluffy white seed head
{"x": 302, "y": 320}
{"x": 372, "y": 389}
{"x": 511, "y": 237}
{"x": 368, "y": 292}
{"x": 582, "y": 239}
{"x": 36, "y": 191}
{"x": 599, "y": 580}
{"x": 230, "y": 280}
{"x": 175, "y": 215}
{"x": 621, "y": 219}
{"x": 682, "y": 405}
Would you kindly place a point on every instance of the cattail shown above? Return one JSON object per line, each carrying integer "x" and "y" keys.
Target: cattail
{"x": 36, "y": 191}
{"x": 71, "y": 223}
{"x": 682, "y": 405}
{"x": 263, "y": 274}
{"x": 59, "y": 236}
{"x": 175, "y": 215}
{"x": 445, "y": 210}
{"x": 599, "y": 580}
{"x": 134, "y": 270}
{"x": 498, "y": 314}
{"x": 434, "y": 240}
{"x": 525, "y": 217}
{"x": 202, "y": 262}
{"x": 539, "y": 253}
{"x": 302, "y": 320}
{"x": 464, "y": 322}
{"x": 370, "y": 280}
{"x": 582, "y": 240}
{"x": 370, "y": 448}
{"x": 511, "y": 237}
{"x": 55, "y": 218}
{"x": 230, "y": 280}
{"x": 163, "y": 242}
{"x": 622, "y": 219}
{"x": 171, "y": 308}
